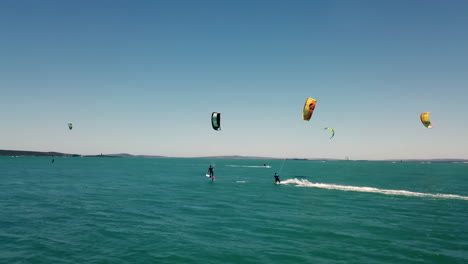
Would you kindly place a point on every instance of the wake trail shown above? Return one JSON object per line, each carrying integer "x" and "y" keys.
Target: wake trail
{"x": 306, "y": 183}
{"x": 247, "y": 166}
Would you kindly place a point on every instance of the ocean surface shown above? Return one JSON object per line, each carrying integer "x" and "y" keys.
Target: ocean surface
{"x": 136, "y": 210}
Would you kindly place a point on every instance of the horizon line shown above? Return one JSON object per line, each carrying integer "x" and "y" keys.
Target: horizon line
{"x": 54, "y": 153}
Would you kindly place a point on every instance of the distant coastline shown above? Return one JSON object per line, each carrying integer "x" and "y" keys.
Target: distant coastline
{"x": 24, "y": 153}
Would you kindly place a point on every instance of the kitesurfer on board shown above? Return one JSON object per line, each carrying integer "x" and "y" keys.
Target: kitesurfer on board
{"x": 277, "y": 179}
{"x": 210, "y": 171}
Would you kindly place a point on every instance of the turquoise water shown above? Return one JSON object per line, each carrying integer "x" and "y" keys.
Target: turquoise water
{"x": 118, "y": 210}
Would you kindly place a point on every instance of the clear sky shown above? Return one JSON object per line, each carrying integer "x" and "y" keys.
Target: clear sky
{"x": 143, "y": 77}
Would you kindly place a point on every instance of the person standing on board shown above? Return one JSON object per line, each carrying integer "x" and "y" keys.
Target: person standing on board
{"x": 210, "y": 171}
{"x": 277, "y": 179}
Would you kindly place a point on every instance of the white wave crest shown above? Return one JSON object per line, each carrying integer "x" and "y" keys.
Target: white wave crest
{"x": 247, "y": 166}
{"x": 306, "y": 183}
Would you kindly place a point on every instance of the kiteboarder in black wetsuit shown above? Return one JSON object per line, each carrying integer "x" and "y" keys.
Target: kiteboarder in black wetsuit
{"x": 210, "y": 171}
{"x": 277, "y": 179}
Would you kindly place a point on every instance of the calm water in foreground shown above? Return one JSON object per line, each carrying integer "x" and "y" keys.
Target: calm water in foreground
{"x": 119, "y": 210}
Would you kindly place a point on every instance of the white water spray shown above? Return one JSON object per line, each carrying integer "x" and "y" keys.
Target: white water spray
{"x": 306, "y": 183}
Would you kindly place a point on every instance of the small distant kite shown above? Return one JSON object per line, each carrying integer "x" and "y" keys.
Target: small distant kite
{"x": 332, "y": 130}
{"x": 70, "y": 126}
{"x": 425, "y": 120}
{"x": 216, "y": 121}
{"x": 309, "y": 108}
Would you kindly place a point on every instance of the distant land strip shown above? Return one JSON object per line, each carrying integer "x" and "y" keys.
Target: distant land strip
{"x": 24, "y": 153}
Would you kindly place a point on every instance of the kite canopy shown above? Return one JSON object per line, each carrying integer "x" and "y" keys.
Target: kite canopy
{"x": 70, "y": 126}
{"x": 332, "y": 130}
{"x": 308, "y": 108}
{"x": 425, "y": 120}
{"x": 216, "y": 120}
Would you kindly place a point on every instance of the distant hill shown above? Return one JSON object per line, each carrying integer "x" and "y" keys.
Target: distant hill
{"x": 35, "y": 153}
{"x": 428, "y": 160}
{"x": 24, "y": 153}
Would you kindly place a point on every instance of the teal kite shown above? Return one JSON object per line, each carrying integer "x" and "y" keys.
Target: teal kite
{"x": 216, "y": 121}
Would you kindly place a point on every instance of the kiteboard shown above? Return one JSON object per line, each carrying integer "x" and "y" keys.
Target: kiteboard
{"x": 207, "y": 175}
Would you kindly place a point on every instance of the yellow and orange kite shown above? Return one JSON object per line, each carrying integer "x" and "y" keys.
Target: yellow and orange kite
{"x": 425, "y": 120}
{"x": 309, "y": 108}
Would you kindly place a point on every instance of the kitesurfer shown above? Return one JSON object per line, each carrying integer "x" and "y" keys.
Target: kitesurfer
{"x": 277, "y": 179}
{"x": 53, "y": 160}
{"x": 210, "y": 171}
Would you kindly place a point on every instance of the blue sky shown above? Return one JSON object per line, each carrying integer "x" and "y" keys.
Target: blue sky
{"x": 143, "y": 77}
